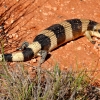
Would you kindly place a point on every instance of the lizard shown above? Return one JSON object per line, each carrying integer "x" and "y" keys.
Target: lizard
{"x": 53, "y": 37}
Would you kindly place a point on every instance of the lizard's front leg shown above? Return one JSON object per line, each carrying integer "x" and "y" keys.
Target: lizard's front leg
{"x": 88, "y": 35}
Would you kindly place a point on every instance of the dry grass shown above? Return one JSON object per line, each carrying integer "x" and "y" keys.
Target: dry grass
{"x": 47, "y": 85}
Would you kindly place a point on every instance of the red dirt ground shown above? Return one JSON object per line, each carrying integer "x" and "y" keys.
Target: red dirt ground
{"x": 24, "y": 19}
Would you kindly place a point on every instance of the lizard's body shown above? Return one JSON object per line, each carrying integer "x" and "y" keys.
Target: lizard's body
{"x": 54, "y": 36}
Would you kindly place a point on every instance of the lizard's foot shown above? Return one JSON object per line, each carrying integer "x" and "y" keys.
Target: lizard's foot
{"x": 43, "y": 54}
{"x": 23, "y": 46}
{"x": 93, "y": 42}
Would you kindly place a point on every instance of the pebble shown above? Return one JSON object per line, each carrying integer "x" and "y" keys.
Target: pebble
{"x": 79, "y": 48}
{"x": 34, "y": 60}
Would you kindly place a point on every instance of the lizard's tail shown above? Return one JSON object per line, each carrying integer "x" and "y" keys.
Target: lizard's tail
{"x": 25, "y": 55}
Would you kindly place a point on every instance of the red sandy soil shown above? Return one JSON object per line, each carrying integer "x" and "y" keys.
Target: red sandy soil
{"x": 24, "y": 19}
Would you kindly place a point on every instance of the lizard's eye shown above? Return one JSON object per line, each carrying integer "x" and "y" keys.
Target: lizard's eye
{"x": 99, "y": 31}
